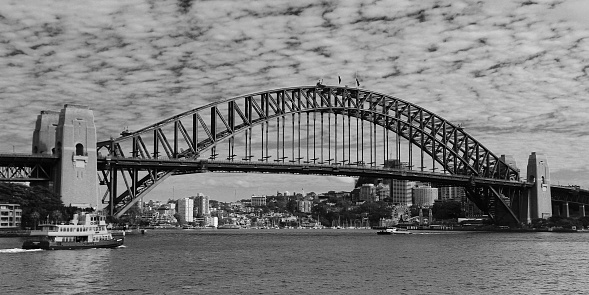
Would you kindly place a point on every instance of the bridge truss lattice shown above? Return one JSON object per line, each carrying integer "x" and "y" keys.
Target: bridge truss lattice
{"x": 305, "y": 127}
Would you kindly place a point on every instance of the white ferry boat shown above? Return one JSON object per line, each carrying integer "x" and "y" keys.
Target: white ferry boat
{"x": 394, "y": 231}
{"x": 229, "y": 226}
{"x": 86, "y": 230}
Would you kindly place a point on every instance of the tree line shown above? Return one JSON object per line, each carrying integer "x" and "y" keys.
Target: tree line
{"x": 38, "y": 204}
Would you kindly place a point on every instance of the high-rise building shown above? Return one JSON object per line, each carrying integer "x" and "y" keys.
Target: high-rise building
{"x": 383, "y": 191}
{"x": 401, "y": 192}
{"x": 186, "y": 209}
{"x": 201, "y": 206}
{"x": 305, "y": 206}
{"x": 454, "y": 193}
{"x": 424, "y": 196}
{"x": 367, "y": 192}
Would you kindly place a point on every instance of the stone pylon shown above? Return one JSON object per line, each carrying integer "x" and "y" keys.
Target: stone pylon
{"x": 71, "y": 135}
{"x": 540, "y": 198}
{"x": 44, "y": 134}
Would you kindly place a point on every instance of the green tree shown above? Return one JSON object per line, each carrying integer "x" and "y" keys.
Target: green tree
{"x": 584, "y": 221}
{"x": 179, "y": 218}
{"x": 447, "y": 210}
{"x": 56, "y": 216}
{"x": 291, "y": 206}
{"x": 31, "y": 199}
{"x": 35, "y": 216}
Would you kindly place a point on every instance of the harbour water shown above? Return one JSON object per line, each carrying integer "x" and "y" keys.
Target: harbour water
{"x": 306, "y": 262}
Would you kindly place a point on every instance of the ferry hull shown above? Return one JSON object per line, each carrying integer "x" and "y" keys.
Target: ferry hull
{"x": 47, "y": 245}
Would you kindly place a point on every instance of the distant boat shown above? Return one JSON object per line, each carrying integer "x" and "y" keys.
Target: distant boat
{"x": 393, "y": 231}
{"x": 87, "y": 230}
{"x": 384, "y": 232}
{"x": 229, "y": 226}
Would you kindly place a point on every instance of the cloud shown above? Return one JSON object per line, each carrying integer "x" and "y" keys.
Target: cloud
{"x": 514, "y": 75}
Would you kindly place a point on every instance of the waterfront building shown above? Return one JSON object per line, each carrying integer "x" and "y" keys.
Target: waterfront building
{"x": 424, "y": 196}
{"x": 471, "y": 210}
{"x": 10, "y": 216}
{"x": 382, "y": 191}
{"x": 305, "y": 206}
{"x": 355, "y": 194}
{"x": 453, "y": 193}
{"x": 149, "y": 214}
{"x": 166, "y": 214}
{"x": 401, "y": 192}
{"x": 368, "y": 192}
{"x": 201, "y": 205}
{"x": 186, "y": 209}
{"x": 258, "y": 201}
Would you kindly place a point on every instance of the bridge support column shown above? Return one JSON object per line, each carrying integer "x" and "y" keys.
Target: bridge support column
{"x": 540, "y": 199}
{"x": 565, "y": 209}
{"x": 524, "y": 208}
{"x": 582, "y": 210}
{"x": 75, "y": 143}
{"x": 556, "y": 210}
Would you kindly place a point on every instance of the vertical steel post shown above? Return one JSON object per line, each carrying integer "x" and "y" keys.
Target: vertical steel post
{"x": 175, "y": 153}
{"x": 195, "y": 134}
{"x": 422, "y": 132}
{"x": 267, "y": 112}
{"x": 277, "y": 139}
{"x": 156, "y": 142}
{"x": 249, "y": 130}
{"x": 231, "y": 110}
{"x": 410, "y": 137}
{"x": 398, "y": 133}
{"x": 214, "y": 131}
{"x": 113, "y": 188}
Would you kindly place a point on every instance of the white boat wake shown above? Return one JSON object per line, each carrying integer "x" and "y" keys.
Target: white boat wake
{"x": 18, "y": 250}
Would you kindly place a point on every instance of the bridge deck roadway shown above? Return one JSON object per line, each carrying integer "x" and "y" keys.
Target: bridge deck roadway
{"x": 185, "y": 166}
{"x": 27, "y": 159}
{"x": 571, "y": 194}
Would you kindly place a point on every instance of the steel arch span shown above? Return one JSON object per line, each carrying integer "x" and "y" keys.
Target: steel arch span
{"x": 305, "y": 126}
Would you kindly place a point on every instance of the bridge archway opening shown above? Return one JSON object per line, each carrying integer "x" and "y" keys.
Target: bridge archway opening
{"x": 79, "y": 149}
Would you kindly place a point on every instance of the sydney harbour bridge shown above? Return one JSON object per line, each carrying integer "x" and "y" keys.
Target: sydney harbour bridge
{"x": 318, "y": 130}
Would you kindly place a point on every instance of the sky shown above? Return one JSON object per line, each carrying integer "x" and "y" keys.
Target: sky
{"x": 513, "y": 74}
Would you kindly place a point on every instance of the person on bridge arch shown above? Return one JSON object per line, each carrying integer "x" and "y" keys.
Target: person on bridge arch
{"x": 320, "y": 83}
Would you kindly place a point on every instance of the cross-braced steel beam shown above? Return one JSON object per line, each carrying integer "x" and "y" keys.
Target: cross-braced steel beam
{"x": 322, "y": 125}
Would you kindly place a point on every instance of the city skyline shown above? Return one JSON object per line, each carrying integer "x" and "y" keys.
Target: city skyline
{"x": 242, "y": 188}
{"x": 512, "y": 73}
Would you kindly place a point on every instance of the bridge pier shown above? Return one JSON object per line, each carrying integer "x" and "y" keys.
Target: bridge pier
{"x": 556, "y": 210}
{"x": 539, "y": 196}
{"x": 565, "y": 209}
{"x": 581, "y": 210}
{"x": 71, "y": 134}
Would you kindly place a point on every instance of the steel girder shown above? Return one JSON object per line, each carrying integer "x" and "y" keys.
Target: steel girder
{"x": 570, "y": 194}
{"x": 25, "y": 167}
{"x": 25, "y": 174}
{"x": 193, "y": 133}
